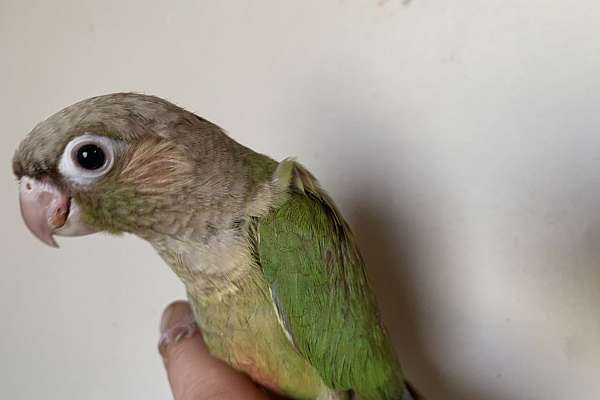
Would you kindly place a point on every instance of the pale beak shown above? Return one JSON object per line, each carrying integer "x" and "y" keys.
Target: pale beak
{"x": 47, "y": 211}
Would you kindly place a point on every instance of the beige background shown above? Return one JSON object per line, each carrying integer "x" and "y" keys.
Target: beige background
{"x": 460, "y": 138}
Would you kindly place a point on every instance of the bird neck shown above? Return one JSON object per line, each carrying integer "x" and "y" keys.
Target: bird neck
{"x": 210, "y": 268}
{"x": 207, "y": 241}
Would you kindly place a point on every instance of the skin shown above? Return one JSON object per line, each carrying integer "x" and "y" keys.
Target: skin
{"x": 273, "y": 274}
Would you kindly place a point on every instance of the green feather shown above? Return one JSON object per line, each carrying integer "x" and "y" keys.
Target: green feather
{"x": 315, "y": 270}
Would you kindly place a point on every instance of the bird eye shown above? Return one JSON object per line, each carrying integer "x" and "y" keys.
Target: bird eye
{"x": 90, "y": 156}
{"x": 87, "y": 158}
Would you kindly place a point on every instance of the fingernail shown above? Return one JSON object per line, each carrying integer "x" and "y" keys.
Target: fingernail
{"x": 176, "y": 324}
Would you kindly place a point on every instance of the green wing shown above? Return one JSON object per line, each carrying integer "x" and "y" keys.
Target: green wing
{"x": 317, "y": 278}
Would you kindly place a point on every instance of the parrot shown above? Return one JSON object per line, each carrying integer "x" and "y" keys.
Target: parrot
{"x": 271, "y": 269}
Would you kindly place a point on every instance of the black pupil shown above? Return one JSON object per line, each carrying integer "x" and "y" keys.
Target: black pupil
{"x": 90, "y": 156}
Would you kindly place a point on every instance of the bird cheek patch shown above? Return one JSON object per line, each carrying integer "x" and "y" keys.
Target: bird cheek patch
{"x": 156, "y": 165}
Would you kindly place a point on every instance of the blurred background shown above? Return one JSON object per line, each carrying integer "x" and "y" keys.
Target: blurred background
{"x": 461, "y": 140}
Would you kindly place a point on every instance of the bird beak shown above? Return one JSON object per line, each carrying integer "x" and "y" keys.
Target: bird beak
{"x": 47, "y": 211}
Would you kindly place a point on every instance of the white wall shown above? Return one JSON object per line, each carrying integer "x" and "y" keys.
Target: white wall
{"x": 460, "y": 138}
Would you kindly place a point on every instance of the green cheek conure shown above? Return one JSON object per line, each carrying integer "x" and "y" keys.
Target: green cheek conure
{"x": 271, "y": 268}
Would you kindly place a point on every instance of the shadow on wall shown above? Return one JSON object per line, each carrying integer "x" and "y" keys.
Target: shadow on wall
{"x": 395, "y": 248}
{"x": 392, "y": 253}
{"x": 395, "y": 251}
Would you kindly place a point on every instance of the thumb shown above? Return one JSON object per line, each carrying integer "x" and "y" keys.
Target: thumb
{"x": 193, "y": 373}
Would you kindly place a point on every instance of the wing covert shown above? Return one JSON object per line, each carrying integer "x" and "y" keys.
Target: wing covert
{"x": 308, "y": 255}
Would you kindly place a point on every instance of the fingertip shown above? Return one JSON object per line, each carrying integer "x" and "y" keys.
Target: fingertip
{"x": 176, "y": 313}
{"x": 177, "y": 323}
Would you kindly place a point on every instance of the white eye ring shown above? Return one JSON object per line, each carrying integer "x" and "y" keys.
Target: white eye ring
{"x": 70, "y": 168}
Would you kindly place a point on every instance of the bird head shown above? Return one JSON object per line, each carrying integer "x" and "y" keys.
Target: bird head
{"x": 120, "y": 163}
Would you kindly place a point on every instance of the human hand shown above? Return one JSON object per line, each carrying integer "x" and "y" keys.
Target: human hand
{"x": 193, "y": 373}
